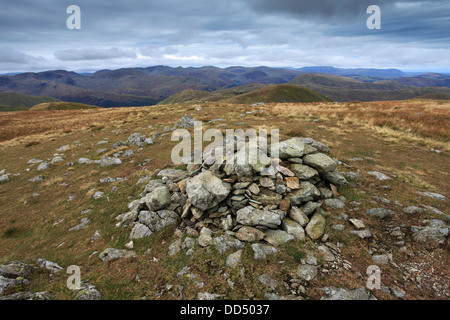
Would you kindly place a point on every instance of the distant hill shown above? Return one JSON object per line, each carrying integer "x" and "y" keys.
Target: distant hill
{"x": 61, "y": 106}
{"x": 279, "y": 93}
{"x": 344, "y": 89}
{"x": 200, "y": 96}
{"x": 152, "y": 85}
{"x": 356, "y": 72}
{"x": 11, "y": 101}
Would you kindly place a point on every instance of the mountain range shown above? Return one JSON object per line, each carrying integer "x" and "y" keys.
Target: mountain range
{"x": 162, "y": 84}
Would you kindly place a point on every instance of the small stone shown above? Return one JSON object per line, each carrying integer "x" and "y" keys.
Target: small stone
{"x": 249, "y": 234}
{"x": 234, "y": 259}
{"x": 359, "y": 224}
{"x": 307, "y": 272}
{"x": 316, "y": 226}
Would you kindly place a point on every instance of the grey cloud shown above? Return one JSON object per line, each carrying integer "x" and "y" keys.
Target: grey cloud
{"x": 11, "y": 55}
{"x": 94, "y": 54}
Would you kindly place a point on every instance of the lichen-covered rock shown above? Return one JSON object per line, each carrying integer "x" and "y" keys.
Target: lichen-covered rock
{"x": 112, "y": 254}
{"x": 307, "y": 192}
{"x": 206, "y": 190}
{"x": 316, "y": 226}
{"x": 320, "y": 161}
{"x": 250, "y": 216}
{"x": 158, "y": 199}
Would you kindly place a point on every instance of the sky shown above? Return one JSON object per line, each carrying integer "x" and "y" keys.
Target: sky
{"x": 414, "y": 35}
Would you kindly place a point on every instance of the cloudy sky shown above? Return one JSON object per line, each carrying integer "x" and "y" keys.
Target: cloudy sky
{"x": 414, "y": 35}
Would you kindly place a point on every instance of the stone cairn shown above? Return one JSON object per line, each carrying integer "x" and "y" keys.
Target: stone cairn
{"x": 275, "y": 203}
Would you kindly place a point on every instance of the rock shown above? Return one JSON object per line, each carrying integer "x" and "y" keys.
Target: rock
{"x": 298, "y": 216}
{"x": 87, "y": 292}
{"x": 110, "y": 161}
{"x": 380, "y": 259}
{"x": 379, "y": 175}
{"x": 261, "y": 251}
{"x": 310, "y": 207}
{"x": 433, "y": 234}
{"x": 292, "y": 183}
{"x": 119, "y": 144}
{"x": 334, "y": 203}
{"x": 4, "y": 178}
{"x": 172, "y": 174}
{"x": 250, "y": 216}
{"x": 307, "y": 192}
{"x": 335, "y": 178}
{"x": 43, "y": 166}
{"x": 187, "y": 121}
{"x": 57, "y": 159}
{"x": 225, "y": 243}
{"x": 269, "y": 282}
{"x": 112, "y": 254}
{"x": 27, "y": 296}
{"x": 188, "y": 243}
{"x": 316, "y": 227}
{"x": 51, "y": 266}
{"x": 303, "y": 172}
{"x": 307, "y": 272}
{"x": 433, "y": 195}
{"x": 253, "y": 188}
{"x": 293, "y": 228}
{"x": 205, "y": 238}
{"x": 278, "y": 237}
{"x": 357, "y": 223}
{"x": 84, "y": 161}
{"x": 333, "y": 293}
{"x": 136, "y": 139}
{"x": 83, "y": 224}
{"x": 208, "y": 296}
{"x": 98, "y": 195}
{"x": 35, "y": 179}
{"x": 9, "y": 284}
{"x": 174, "y": 248}
{"x": 63, "y": 148}
{"x": 158, "y": 199}
{"x": 328, "y": 256}
{"x": 413, "y": 210}
{"x": 292, "y": 148}
{"x": 234, "y": 259}
{"x": 249, "y": 234}
{"x": 205, "y": 191}
{"x": 15, "y": 269}
{"x": 159, "y": 220}
{"x": 380, "y": 213}
{"x": 140, "y": 231}
{"x": 361, "y": 233}
{"x": 320, "y": 161}
{"x": 268, "y": 197}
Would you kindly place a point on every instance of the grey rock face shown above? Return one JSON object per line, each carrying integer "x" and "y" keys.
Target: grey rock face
{"x": 380, "y": 213}
{"x": 307, "y": 272}
{"x": 87, "y": 292}
{"x": 303, "y": 172}
{"x": 187, "y": 121}
{"x": 278, "y": 237}
{"x": 159, "y": 220}
{"x": 158, "y": 199}
{"x": 320, "y": 161}
{"x": 136, "y": 139}
{"x": 316, "y": 226}
{"x": 250, "y": 216}
{"x": 293, "y": 228}
{"x": 234, "y": 259}
{"x": 333, "y": 293}
{"x": 110, "y": 161}
{"x": 206, "y": 190}
{"x": 334, "y": 203}
{"x": 4, "y": 178}
{"x": 307, "y": 192}
{"x": 335, "y": 178}
{"x": 112, "y": 254}
{"x": 43, "y": 166}
{"x": 292, "y": 148}
{"x": 140, "y": 231}
{"x": 261, "y": 251}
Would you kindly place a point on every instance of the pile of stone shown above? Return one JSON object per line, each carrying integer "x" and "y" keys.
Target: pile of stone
{"x": 276, "y": 203}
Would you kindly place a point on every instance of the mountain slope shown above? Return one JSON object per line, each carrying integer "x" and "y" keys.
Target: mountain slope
{"x": 347, "y": 89}
{"x": 10, "y": 101}
{"x": 279, "y": 93}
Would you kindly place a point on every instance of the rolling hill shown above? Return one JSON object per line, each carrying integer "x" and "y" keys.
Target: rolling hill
{"x": 344, "y": 89}
{"x": 11, "y": 101}
{"x": 152, "y": 85}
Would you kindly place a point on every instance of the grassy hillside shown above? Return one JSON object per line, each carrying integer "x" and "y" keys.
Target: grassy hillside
{"x": 279, "y": 93}
{"x": 344, "y": 89}
{"x": 61, "y": 106}
{"x": 11, "y": 101}
{"x": 197, "y": 96}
